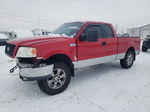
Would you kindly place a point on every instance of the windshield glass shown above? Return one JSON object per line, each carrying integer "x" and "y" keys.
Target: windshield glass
{"x": 67, "y": 30}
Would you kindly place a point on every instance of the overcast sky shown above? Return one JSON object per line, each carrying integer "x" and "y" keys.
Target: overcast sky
{"x": 29, "y": 14}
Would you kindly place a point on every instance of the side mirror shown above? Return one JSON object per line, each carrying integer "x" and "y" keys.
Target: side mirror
{"x": 92, "y": 36}
{"x": 83, "y": 37}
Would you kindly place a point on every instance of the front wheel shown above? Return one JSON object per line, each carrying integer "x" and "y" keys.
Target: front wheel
{"x": 127, "y": 62}
{"x": 58, "y": 80}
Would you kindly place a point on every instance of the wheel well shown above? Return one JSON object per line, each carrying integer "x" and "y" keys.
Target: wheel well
{"x": 61, "y": 58}
{"x": 132, "y": 49}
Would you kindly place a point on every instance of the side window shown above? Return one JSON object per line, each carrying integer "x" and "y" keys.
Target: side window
{"x": 107, "y": 31}
{"x": 93, "y": 28}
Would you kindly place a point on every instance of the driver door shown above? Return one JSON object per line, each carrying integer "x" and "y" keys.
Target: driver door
{"x": 88, "y": 52}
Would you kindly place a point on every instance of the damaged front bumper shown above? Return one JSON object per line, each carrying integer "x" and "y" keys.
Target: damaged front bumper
{"x": 37, "y": 73}
{"x": 30, "y": 70}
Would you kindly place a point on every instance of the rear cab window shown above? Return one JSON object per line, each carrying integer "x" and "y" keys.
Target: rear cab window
{"x": 93, "y": 27}
{"x": 106, "y": 31}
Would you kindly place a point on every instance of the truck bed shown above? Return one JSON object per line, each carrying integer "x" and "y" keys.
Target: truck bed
{"x": 125, "y": 42}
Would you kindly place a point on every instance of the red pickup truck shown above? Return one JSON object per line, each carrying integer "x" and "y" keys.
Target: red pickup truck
{"x": 51, "y": 61}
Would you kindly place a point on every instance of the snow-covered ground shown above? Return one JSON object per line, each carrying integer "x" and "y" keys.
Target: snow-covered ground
{"x": 103, "y": 88}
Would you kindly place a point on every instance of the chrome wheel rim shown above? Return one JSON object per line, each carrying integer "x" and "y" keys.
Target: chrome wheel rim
{"x": 129, "y": 59}
{"x": 57, "y": 78}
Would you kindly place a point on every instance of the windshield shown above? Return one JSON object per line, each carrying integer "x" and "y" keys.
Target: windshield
{"x": 67, "y": 30}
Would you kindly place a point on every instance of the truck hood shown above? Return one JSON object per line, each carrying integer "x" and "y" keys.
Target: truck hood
{"x": 35, "y": 40}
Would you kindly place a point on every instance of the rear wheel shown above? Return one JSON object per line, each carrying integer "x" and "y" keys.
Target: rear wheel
{"x": 144, "y": 49}
{"x": 58, "y": 80}
{"x": 127, "y": 62}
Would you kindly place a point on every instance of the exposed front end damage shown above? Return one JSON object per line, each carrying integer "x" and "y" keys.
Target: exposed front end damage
{"x": 31, "y": 69}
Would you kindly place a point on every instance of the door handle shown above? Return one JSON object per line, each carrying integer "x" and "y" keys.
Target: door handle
{"x": 103, "y": 43}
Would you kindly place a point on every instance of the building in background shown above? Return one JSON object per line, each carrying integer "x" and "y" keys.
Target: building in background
{"x": 40, "y": 32}
{"x": 143, "y": 31}
{"x": 22, "y": 33}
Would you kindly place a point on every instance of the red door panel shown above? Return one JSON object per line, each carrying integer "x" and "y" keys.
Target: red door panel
{"x": 89, "y": 50}
{"x": 110, "y": 47}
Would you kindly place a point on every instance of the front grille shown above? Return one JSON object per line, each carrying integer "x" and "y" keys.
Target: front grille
{"x": 30, "y": 63}
{"x": 9, "y": 49}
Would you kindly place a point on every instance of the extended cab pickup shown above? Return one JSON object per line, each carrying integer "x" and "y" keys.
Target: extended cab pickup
{"x": 52, "y": 60}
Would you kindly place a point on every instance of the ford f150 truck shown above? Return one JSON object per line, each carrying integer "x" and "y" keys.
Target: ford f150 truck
{"x": 51, "y": 61}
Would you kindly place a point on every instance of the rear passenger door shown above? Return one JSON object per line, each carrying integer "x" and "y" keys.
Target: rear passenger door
{"x": 108, "y": 42}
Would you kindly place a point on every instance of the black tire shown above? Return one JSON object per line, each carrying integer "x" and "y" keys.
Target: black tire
{"x": 49, "y": 88}
{"x": 127, "y": 62}
{"x": 144, "y": 49}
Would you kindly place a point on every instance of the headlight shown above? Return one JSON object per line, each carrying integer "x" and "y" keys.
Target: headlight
{"x": 26, "y": 52}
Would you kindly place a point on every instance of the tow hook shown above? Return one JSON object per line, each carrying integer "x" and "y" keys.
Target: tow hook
{"x": 13, "y": 69}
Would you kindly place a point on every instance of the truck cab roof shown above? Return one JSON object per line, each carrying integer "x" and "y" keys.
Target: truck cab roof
{"x": 92, "y": 22}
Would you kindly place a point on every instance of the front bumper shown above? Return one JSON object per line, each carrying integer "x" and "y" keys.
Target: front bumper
{"x": 38, "y": 73}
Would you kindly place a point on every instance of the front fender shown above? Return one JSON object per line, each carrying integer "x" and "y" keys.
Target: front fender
{"x": 59, "y": 52}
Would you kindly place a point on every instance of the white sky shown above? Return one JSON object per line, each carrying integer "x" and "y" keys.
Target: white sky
{"x": 29, "y": 14}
